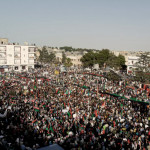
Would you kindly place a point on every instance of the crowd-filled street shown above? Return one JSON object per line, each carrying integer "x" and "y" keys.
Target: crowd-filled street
{"x": 73, "y": 109}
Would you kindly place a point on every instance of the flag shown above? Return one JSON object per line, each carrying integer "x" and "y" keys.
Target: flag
{"x": 121, "y": 105}
{"x": 34, "y": 87}
{"x": 66, "y": 92}
{"x": 64, "y": 105}
{"x": 68, "y": 113}
{"x": 51, "y": 129}
{"x": 25, "y": 100}
{"x": 34, "y": 121}
{"x": 36, "y": 109}
{"x": 13, "y": 102}
{"x": 114, "y": 123}
{"x": 103, "y": 105}
{"x": 57, "y": 91}
{"x": 95, "y": 112}
{"x": 121, "y": 112}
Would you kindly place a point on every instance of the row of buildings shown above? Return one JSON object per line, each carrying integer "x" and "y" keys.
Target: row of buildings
{"x": 22, "y": 57}
{"x": 131, "y": 58}
{"x": 74, "y": 56}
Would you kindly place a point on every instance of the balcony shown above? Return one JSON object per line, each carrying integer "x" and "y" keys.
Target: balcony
{"x": 2, "y": 49}
{"x": 31, "y": 50}
{"x": 17, "y": 56}
{"x": 3, "y": 62}
{"x": 17, "y": 62}
{"x": 2, "y": 55}
{"x": 31, "y": 57}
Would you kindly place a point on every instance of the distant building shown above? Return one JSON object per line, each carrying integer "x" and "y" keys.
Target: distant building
{"x": 16, "y": 57}
{"x": 75, "y": 56}
{"x": 132, "y": 60}
{"x": 129, "y": 55}
{"x": 3, "y": 41}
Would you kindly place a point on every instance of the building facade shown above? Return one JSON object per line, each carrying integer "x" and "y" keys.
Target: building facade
{"x": 132, "y": 60}
{"x": 17, "y": 57}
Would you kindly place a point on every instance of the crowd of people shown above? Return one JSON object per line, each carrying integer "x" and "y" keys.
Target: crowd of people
{"x": 72, "y": 109}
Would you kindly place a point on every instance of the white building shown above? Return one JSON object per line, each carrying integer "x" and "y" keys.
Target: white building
{"x": 75, "y": 57}
{"x": 17, "y": 57}
{"x": 132, "y": 60}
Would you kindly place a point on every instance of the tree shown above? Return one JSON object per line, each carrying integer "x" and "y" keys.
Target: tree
{"x": 143, "y": 63}
{"x": 102, "y": 57}
{"x": 45, "y": 57}
{"x": 121, "y": 60}
{"x": 89, "y": 59}
{"x": 67, "y": 48}
{"x": 68, "y": 62}
{"x": 63, "y": 57}
{"x": 142, "y": 70}
{"x": 112, "y": 61}
{"x": 52, "y": 57}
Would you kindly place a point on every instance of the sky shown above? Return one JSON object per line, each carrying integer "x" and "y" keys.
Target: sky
{"x": 112, "y": 24}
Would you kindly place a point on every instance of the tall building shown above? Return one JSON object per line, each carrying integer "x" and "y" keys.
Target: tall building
{"x": 16, "y": 57}
{"x": 132, "y": 60}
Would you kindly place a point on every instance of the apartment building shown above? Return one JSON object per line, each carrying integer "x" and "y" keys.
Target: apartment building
{"x": 16, "y": 57}
{"x": 132, "y": 60}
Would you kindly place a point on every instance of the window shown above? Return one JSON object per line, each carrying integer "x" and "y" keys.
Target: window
{"x": 2, "y": 55}
{"x": 31, "y": 55}
{"x": 2, "y": 48}
{"x": 16, "y": 67}
{"x": 17, "y": 61}
{"x": 30, "y": 67}
{"x": 17, "y": 55}
{"x": 3, "y": 61}
{"x": 31, "y": 61}
{"x": 10, "y": 55}
{"x": 17, "y": 49}
{"x": 23, "y": 67}
{"x": 31, "y": 49}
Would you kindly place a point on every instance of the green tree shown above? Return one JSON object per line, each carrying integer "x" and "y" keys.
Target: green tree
{"x": 67, "y": 48}
{"x": 89, "y": 59}
{"x": 142, "y": 70}
{"x": 143, "y": 63}
{"x": 52, "y": 57}
{"x": 45, "y": 57}
{"x": 102, "y": 56}
{"x": 112, "y": 61}
{"x": 121, "y": 60}
{"x": 68, "y": 62}
{"x": 63, "y": 57}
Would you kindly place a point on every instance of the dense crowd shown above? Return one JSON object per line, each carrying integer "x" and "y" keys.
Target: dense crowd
{"x": 74, "y": 110}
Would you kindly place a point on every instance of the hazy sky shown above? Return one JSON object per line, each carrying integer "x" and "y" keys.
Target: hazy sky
{"x": 112, "y": 24}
